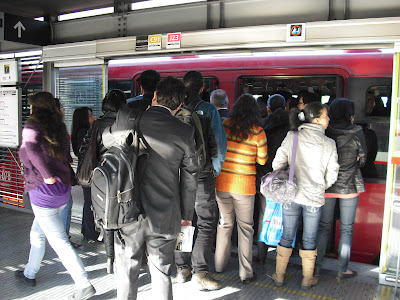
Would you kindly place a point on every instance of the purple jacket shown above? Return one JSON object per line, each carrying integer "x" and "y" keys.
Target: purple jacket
{"x": 38, "y": 164}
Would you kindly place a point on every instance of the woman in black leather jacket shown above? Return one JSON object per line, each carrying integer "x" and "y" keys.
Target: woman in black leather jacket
{"x": 112, "y": 102}
{"x": 352, "y": 153}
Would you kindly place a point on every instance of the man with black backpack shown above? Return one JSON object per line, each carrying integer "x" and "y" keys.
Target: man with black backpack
{"x": 206, "y": 206}
{"x": 167, "y": 191}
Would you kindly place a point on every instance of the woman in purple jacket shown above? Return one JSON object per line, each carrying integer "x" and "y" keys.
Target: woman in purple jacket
{"x": 46, "y": 157}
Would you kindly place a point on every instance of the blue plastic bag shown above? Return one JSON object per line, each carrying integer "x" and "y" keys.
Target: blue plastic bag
{"x": 272, "y": 226}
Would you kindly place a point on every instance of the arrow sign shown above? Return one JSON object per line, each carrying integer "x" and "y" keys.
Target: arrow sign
{"x": 24, "y": 30}
{"x": 19, "y": 26}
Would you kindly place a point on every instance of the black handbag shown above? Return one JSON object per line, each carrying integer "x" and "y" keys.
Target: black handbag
{"x": 73, "y": 176}
{"x": 85, "y": 169}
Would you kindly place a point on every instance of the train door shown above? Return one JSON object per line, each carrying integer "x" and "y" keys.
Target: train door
{"x": 390, "y": 249}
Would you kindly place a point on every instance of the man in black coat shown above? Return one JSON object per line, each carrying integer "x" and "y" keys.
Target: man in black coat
{"x": 167, "y": 194}
{"x": 276, "y": 127}
{"x": 148, "y": 81}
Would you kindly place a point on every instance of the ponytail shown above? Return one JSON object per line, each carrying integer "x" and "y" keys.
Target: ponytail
{"x": 298, "y": 117}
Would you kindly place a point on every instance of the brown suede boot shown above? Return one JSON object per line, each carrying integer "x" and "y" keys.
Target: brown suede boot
{"x": 282, "y": 259}
{"x": 308, "y": 261}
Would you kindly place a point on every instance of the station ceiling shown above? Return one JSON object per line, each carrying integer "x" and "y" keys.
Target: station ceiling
{"x": 41, "y": 8}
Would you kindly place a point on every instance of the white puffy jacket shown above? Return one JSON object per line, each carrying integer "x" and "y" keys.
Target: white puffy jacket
{"x": 316, "y": 166}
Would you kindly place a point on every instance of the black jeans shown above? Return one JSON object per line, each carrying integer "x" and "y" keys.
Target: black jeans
{"x": 88, "y": 228}
{"x": 206, "y": 209}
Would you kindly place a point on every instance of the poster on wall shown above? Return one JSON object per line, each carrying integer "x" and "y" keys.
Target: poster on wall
{"x": 9, "y": 72}
{"x": 10, "y": 117}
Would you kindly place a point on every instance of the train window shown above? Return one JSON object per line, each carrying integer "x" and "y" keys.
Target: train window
{"x": 124, "y": 85}
{"x": 210, "y": 84}
{"x": 324, "y": 87}
{"x": 378, "y": 101}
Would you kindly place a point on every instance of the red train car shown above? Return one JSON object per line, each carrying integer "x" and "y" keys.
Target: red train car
{"x": 364, "y": 76}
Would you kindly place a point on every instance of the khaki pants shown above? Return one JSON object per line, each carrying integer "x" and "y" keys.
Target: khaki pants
{"x": 242, "y": 207}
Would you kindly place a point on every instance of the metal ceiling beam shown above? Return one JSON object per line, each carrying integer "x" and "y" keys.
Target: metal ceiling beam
{"x": 366, "y": 33}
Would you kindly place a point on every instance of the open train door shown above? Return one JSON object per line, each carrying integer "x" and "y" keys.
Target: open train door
{"x": 390, "y": 247}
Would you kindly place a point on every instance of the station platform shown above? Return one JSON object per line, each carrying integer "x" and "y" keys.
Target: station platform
{"x": 53, "y": 282}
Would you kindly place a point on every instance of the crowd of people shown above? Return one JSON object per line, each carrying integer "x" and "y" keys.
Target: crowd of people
{"x": 211, "y": 192}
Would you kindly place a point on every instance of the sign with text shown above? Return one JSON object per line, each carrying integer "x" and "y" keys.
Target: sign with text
{"x": 173, "y": 40}
{"x": 154, "y": 42}
{"x": 9, "y": 72}
{"x": 10, "y": 117}
{"x": 24, "y": 30}
{"x": 296, "y": 32}
{"x": 142, "y": 42}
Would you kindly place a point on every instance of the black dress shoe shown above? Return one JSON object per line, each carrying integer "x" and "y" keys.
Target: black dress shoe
{"x": 21, "y": 277}
{"x": 248, "y": 280}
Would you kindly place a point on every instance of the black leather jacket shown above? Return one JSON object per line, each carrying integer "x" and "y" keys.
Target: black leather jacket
{"x": 105, "y": 121}
{"x": 350, "y": 144}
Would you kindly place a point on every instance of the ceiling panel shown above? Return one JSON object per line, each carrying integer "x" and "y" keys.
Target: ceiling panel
{"x": 40, "y": 8}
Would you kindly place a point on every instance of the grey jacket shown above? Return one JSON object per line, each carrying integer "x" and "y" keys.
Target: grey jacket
{"x": 316, "y": 167}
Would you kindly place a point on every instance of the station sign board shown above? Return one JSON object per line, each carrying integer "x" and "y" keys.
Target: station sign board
{"x": 296, "y": 32}
{"x": 10, "y": 72}
{"x": 24, "y": 30}
{"x": 173, "y": 40}
{"x": 154, "y": 42}
{"x": 10, "y": 117}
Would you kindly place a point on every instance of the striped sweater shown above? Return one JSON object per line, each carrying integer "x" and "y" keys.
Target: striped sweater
{"x": 238, "y": 174}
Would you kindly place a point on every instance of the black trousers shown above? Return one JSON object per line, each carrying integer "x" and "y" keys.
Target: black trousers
{"x": 137, "y": 238}
{"x": 206, "y": 209}
{"x": 88, "y": 228}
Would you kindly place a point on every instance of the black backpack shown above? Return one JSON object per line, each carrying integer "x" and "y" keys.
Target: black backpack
{"x": 190, "y": 116}
{"x": 115, "y": 181}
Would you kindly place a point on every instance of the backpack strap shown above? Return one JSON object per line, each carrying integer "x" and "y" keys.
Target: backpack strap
{"x": 194, "y": 104}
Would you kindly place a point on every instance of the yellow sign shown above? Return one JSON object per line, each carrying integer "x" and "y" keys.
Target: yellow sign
{"x": 154, "y": 42}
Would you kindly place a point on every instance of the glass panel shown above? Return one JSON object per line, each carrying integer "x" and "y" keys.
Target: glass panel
{"x": 389, "y": 263}
{"x": 77, "y": 87}
{"x": 80, "y": 86}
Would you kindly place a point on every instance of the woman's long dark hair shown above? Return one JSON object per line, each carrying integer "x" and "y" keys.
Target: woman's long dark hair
{"x": 49, "y": 118}
{"x": 80, "y": 120}
{"x": 244, "y": 116}
{"x": 307, "y": 115}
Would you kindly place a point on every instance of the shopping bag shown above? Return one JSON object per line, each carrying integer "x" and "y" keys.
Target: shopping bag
{"x": 272, "y": 226}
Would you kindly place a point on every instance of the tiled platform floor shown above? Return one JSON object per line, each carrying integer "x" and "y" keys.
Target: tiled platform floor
{"x": 53, "y": 282}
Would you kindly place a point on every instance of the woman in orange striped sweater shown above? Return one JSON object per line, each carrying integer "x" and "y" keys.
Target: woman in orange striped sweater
{"x": 236, "y": 184}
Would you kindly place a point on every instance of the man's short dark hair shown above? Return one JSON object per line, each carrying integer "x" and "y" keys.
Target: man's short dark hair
{"x": 193, "y": 81}
{"x": 308, "y": 97}
{"x": 113, "y": 101}
{"x": 148, "y": 80}
{"x": 219, "y": 98}
{"x": 170, "y": 92}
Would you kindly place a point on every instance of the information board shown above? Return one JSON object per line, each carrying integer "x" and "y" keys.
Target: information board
{"x": 10, "y": 117}
{"x": 9, "y": 72}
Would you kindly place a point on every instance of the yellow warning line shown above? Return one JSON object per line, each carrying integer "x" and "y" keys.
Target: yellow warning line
{"x": 283, "y": 289}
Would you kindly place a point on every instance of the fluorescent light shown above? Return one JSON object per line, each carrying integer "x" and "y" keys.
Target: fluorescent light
{"x": 40, "y": 19}
{"x": 86, "y": 13}
{"x": 160, "y": 3}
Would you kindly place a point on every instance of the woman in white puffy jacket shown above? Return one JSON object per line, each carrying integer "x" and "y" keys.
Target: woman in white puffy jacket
{"x": 316, "y": 169}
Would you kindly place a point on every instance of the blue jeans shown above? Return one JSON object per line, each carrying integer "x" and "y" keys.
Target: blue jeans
{"x": 348, "y": 208}
{"x": 48, "y": 224}
{"x": 291, "y": 216}
{"x": 65, "y": 215}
